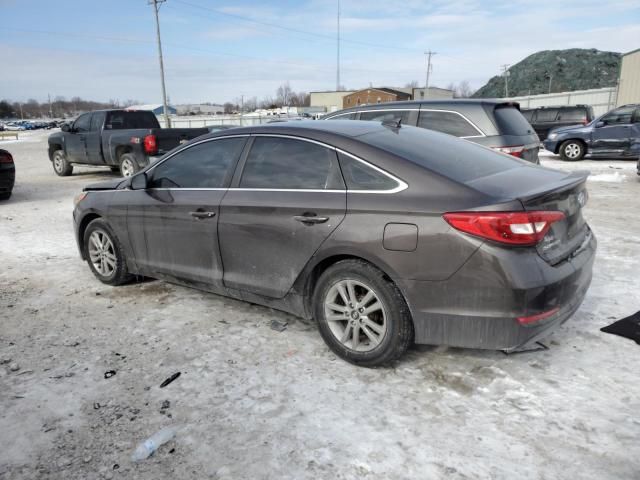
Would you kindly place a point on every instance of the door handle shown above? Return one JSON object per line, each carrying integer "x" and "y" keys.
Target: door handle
{"x": 310, "y": 219}
{"x": 200, "y": 215}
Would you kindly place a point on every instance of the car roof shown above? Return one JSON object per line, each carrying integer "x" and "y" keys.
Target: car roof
{"x": 438, "y": 102}
{"x": 342, "y": 128}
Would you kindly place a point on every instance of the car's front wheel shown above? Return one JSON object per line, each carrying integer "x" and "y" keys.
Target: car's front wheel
{"x": 361, "y": 314}
{"x": 61, "y": 165}
{"x": 572, "y": 150}
{"x": 104, "y": 254}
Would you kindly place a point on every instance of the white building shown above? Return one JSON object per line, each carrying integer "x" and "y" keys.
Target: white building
{"x": 629, "y": 83}
{"x": 199, "y": 109}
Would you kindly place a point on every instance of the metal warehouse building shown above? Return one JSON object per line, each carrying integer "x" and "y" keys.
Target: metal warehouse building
{"x": 629, "y": 86}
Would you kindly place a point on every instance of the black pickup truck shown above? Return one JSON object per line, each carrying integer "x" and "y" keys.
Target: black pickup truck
{"x": 125, "y": 140}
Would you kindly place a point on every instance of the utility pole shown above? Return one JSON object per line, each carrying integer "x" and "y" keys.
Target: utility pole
{"x": 505, "y": 74}
{"x": 156, "y": 9}
{"x": 338, "y": 52}
{"x": 429, "y": 54}
{"x": 550, "y": 78}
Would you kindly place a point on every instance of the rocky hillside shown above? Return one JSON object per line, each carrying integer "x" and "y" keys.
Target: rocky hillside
{"x": 573, "y": 69}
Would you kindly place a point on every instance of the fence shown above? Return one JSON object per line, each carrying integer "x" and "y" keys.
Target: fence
{"x": 231, "y": 120}
{"x": 601, "y": 99}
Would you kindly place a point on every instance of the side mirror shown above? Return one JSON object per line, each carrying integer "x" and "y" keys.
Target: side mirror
{"x": 65, "y": 127}
{"x": 139, "y": 181}
{"x": 600, "y": 124}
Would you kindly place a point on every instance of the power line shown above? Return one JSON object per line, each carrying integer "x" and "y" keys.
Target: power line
{"x": 290, "y": 29}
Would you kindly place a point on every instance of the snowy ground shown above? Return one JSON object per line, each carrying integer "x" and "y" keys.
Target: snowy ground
{"x": 253, "y": 403}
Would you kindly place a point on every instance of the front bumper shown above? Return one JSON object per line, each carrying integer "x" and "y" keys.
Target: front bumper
{"x": 551, "y": 145}
{"x": 7, "y": 179}
{"x": 479, "y": 305}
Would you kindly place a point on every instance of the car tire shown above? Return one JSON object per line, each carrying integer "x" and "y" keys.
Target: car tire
{"x": 572, "y": 151}
{"x": 61, "y": 165}
{"x": 5, "y": 196}
{"x": 349, "y": 289}
{"x": 128, "y": 165}
{"x": 104, "y": 254}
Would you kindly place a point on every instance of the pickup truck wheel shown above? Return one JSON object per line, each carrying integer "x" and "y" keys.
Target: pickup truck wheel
{"x": 128, "y": 165}
{"x": 572, "y": 151}
{"x": 61, "y": 165}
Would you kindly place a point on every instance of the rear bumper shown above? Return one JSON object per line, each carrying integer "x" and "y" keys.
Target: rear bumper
{"x": 7, "y": 179}
{"x": 479, "y": 305}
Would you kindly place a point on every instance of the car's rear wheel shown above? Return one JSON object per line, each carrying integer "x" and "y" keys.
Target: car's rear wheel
{"x": 61, "y": 165}
{"x": 572, "y": 150}
{"x": 128, "y": 165}
{"x": 104, "y": 254}
{"x": 361, "y": 315}
{"x": 5, "y": 196}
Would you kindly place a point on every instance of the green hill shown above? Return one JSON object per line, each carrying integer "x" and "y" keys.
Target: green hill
{"x": 572, "y": 69}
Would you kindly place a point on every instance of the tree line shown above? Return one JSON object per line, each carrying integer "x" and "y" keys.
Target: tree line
{"x": 59, "y": 107}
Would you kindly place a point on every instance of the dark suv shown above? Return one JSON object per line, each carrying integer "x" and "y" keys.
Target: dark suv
{"x": 493, "y": 123}
{"x": 616, "y": 134}
{"x": 543, "y": 119}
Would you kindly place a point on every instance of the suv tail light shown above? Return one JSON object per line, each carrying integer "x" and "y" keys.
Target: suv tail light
{"x": 516, "y": 151}
{"x": 510, "y": 228}
{"x": 5, "y": 157}
{"x": 150, "y": 145}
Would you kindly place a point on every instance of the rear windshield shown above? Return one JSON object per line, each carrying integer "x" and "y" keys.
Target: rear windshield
{"x": 511, "y": 122}
{"x": 573, "y": 115}
{"x": 457, "y": 159}
{"x": 127, "y": 120}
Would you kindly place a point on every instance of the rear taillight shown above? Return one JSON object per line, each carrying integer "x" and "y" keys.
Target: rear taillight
{"x": 5, "y": 157}
{"x": 516, "y": 151}
{"x": 150, "y": 145}
{"x": 511, "y": 228}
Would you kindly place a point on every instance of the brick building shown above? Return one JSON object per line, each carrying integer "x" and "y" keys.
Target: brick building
{"x": 373, "y": 95}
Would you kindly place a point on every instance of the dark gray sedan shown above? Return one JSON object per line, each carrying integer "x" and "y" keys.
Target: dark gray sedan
{"x": 384, "y": 235}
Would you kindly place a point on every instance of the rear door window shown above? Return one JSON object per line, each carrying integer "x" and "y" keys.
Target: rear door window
{"x": 386, "y": 116}
{"x": 447, "y": 122}
{"x": 577, "y": 115}
{"x": 620, "y": 116}
{"x": 511, "y": 122}
{"x": 206, "y": 165}
{"x": 546, "y": 115}
{"x": 287, "y": 163}
{"x": 131, "y": 120}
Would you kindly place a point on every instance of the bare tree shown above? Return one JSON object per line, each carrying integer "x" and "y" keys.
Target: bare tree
{"x": 284, "y": 94}
{"x": 464, "y": 90}
{"x": 412, "y": 84}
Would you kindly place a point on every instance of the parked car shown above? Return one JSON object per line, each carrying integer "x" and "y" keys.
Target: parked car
{"x": 492, "y": 123}
{"x": 615, "y": 134}
{"x": 543, "y": 119}
{"x": 384, "y": 235}
{"x": 125, "y": 140}
{"x": 218, "y": 128}
{"x": 15, "y": 126}
{"x": 7, "y": 174}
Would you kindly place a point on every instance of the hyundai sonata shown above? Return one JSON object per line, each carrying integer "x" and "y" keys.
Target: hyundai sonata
{"x": 384, "y": 234}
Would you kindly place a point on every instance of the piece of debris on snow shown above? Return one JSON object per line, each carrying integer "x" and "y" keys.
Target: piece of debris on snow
{"x": 109, "y": 373}
{"x": 278, "y": 326}
{"x": 170, "y": 379}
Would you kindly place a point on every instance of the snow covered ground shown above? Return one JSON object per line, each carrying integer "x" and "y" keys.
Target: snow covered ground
{"x": 257, "y": 404}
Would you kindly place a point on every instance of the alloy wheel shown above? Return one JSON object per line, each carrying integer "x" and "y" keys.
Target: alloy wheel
{"x": 127, "y": 169}
{"x": 572, "y": 150}
{"x": 355, "y": 315}
{"x": 102, "y": 253}
{"x": 58, "y": 162}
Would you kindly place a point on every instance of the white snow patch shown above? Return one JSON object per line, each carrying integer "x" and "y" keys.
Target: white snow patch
{"x": 615, "y": 177}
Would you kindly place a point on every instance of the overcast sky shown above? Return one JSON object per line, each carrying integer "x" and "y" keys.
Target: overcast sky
{"x": 218, "y": 50}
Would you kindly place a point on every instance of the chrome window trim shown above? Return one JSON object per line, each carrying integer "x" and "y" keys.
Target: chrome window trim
{"x": 401, "y": 185}
{"x": 482, "y": 134}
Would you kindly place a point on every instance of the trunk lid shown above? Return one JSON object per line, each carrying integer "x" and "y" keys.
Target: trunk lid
{"x": 565, "y": 236}
{"x": 538, "y": 188}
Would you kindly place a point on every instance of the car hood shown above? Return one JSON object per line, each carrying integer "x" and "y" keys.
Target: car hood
{"x": 579, "y": 128}
{"x": 107, "y": 185}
